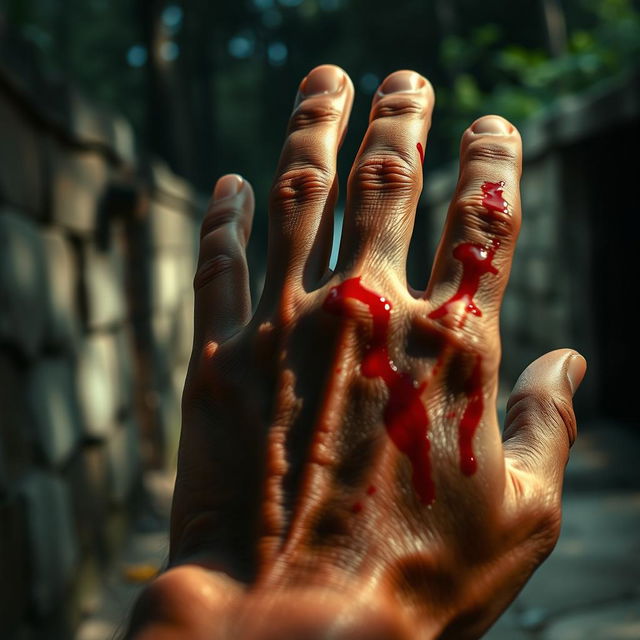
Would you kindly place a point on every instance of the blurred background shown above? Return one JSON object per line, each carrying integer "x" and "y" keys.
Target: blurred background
{"x": 116, "y": 118}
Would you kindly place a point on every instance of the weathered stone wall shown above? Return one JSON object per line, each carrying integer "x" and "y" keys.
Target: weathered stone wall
{"x": 97, "y": 253}
{"x": 576, "y": 246}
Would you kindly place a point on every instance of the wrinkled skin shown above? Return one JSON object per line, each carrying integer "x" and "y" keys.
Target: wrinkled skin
{"x": 295, "y": 513}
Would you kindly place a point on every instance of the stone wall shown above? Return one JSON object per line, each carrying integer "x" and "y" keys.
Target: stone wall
{"x": 574, "y": 266}
{"x": 97, "y": 252}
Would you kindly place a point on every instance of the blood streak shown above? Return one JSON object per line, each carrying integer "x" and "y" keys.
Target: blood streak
{"x": 476, "y": 261}
{"x": 420, "y": 151}
{"x": 470, "y": 420}
{"x": 492, "y": 197}
{"x": 405, "y": 417}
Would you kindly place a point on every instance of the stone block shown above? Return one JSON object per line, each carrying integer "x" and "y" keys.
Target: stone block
{"x": 123, "y": 452}
{"x": 15, "y": 450}
{"x": 124, "y": 142}
{"x": 22, "y": 179}
{"x": 78, "y": 181}
{"x": 14, "y": 566}
{"x": 98, "y": 385}
{"x": 104, "y": 286}
{"x": 22, "y": 284}
{"x": 168, "y": 281}
{"x": 51, "y": 538}
{"x": 125, "y": 363}
{"x": 182, "y": 341}
{"x": 170, "y": 418}
{"x": 63, "y": 324}
{"x": 170, "y": 185}
{"x": 53, "y": 409}
{"x": 172, "y": 227}
{"x": 88, "y": 123}
{"x": 86, "y": 476}
{"x": 162, "y": 326}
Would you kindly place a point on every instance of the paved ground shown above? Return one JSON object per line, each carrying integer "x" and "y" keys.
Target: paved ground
{"x": 588, "y": 589}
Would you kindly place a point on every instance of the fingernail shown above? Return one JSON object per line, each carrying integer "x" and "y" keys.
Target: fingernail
{"x": 402, "y": 81}
{"x": 576, "y": 369}
{"x": 227, "y": 186}
{"x": 324, "y": 79}
{"x": 491, "y": 124}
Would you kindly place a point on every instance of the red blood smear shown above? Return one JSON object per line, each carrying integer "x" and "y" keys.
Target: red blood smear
{"x": 420, "y": 151}
{"x": 476, "y": 261}
{"x": 405, "y": 417}
{"x": 470, "y": 420}
{"x": 371, "y": 490}
{"x": 357, "y": 507}
{"x": 492, "y": 197}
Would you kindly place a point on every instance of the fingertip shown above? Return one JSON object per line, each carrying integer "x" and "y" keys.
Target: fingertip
{"x": 548, "y": 370}
{"x": 576, "y": 371}
{"x": 228, "y": 186}
{"x": 492, "y": 125}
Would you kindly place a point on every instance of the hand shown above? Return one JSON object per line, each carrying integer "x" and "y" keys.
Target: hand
{"x": 341, "y": 468}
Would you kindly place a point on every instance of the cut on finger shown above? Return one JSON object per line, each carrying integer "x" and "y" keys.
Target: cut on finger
{"x": 474, "y": 256}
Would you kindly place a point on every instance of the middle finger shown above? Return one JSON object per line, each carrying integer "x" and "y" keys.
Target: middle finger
{"x": 386, "y": 179}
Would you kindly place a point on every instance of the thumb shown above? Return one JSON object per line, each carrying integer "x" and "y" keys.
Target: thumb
{"x": 540, "y": 426}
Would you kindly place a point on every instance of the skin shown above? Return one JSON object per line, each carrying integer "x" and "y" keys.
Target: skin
{"x": 282, "y": 434}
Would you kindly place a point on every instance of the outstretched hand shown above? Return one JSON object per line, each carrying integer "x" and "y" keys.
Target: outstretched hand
{"x": 341, "y": 470}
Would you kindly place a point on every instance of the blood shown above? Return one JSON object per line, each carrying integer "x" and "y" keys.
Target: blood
{"x": 358, "y": 506}
{"x": 492, "y": 197}
{"x": 476, "y": 262}
{"x": 470, "y": 420}
{"x": 421, "y": 152}
{"x": 405, "y": 417}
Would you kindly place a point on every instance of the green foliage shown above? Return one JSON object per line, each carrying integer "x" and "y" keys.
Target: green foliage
{"x": 490, "y": 74}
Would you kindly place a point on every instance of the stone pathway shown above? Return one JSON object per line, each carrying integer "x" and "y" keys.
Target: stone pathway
{"x": 589, "y": 588}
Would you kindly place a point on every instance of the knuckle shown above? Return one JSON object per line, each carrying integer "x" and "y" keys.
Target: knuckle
{"x": 566, "y": 418}
{"x": 384, "y": 171}
{"x": 313, "y": 113}
{"x": 211, "y": 269}
{"x": 400, "y": 106}
{"x": 547, "y": 524}
{"x": 219, "y": 217}
{"x": 474, "y": 215}
{"x": 298, "y": 185}
{"x": 489, "y": 151}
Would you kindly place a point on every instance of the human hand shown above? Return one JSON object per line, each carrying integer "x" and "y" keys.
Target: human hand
{"x": 341, "y": 469}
